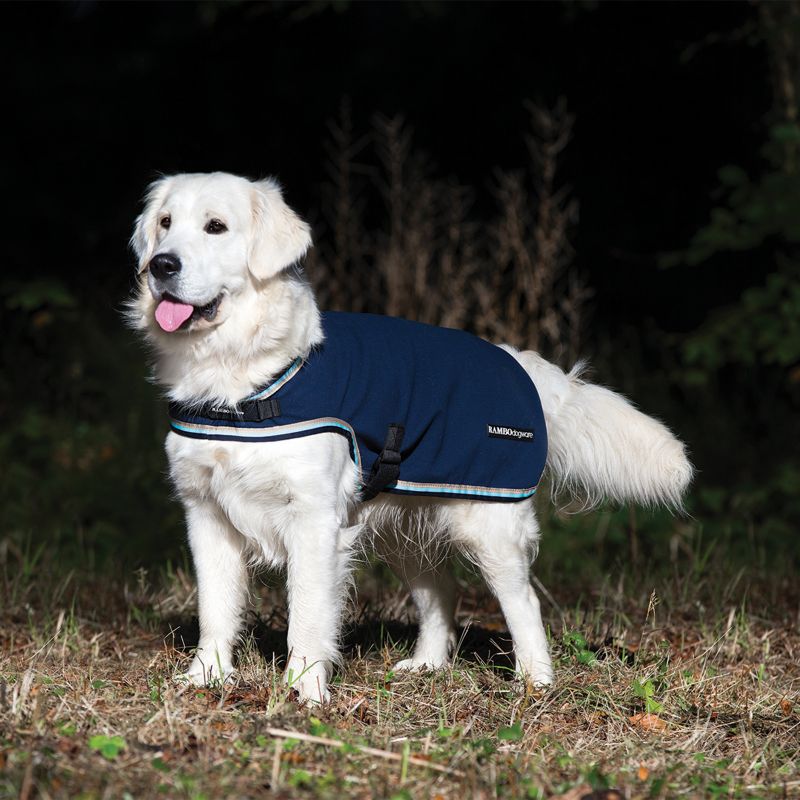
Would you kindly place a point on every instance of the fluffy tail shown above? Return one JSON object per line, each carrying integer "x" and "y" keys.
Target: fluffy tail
{"x": 600, "y": 446}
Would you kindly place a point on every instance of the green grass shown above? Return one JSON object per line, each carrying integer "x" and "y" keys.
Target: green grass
{"x": 673, "y": 680}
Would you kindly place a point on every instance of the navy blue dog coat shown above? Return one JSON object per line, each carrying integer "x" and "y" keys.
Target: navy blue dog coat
{"x": 426, "y": 411}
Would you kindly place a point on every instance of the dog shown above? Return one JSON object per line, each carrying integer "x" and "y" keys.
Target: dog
{"x": 226, "y": 310}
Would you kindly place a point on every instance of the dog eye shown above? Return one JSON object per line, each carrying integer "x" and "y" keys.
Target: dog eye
{"x": 165, "y": 222}
{"x": 215, "y": 226}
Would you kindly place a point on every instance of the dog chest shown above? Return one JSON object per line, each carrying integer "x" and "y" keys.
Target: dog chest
{"x": 260, "y": 491}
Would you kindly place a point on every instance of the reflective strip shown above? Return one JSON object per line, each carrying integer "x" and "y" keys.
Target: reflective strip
{"x": 273, "y": 387}
{"x": 456, "y": 489}
{"x": 236, "y": 433}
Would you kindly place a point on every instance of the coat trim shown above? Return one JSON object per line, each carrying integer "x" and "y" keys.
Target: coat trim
{"x": 332, "y": 425}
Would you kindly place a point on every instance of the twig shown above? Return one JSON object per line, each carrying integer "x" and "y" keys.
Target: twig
{"x": 27, "y": 781}
{"x": 543, "y": 589}
{"x": 280, "y": 733}
{"x": 276, "y": 765}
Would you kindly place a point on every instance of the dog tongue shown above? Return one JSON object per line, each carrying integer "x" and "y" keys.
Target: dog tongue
{"x": 170, "y": 316}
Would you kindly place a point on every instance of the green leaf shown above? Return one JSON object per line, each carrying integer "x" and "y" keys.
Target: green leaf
{"x": 653, "y": 706}
{"x": 512, "y": 733}
{"x": 319, "y": 728}
{"x": 300, "y": 777}
{"x": 108, "y": 746}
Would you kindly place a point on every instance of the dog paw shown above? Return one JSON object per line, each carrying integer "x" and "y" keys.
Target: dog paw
{"x": 202, "y": 674}
{"x": 540, "y": 678}
{"x": 417, "y": 664}
{"x": 310, "y": 683}
{"x": 311, "y": 694}
{"x": 409, "y": 665}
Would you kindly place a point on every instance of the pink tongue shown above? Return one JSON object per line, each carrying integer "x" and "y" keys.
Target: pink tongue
{"x": 170, "y": 316}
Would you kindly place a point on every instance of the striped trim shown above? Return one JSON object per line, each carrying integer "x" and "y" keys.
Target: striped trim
{"x": 237, "y": 433}
{"x": 409, "y": 487}
{"x": 275, "y": 385}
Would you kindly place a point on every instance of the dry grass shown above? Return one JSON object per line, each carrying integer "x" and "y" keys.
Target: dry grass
{"x": 85, "y": 657}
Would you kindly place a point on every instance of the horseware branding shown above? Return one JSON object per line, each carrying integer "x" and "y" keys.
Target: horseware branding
{"x": 500, "y": 432}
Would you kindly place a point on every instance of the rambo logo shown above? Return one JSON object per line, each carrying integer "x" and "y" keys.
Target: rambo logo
{"x": 503, "y": 432}
{"x": 225, "y": 410}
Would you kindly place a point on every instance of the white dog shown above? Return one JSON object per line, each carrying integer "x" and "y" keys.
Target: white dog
{"x": 225, "y": 312}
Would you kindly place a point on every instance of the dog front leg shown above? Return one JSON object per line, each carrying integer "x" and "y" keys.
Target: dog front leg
{"x": 221, "y": 590}
{"x": 317, "y": 580}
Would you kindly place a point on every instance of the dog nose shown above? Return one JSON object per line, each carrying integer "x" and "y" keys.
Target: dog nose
{"x": 164, "y": 266}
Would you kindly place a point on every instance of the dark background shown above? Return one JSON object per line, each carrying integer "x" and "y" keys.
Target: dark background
{"x": 694, "y": 313}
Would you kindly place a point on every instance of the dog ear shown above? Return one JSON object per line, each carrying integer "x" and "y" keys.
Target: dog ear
{"x": 280, "y": 238}
{"x": 143, "y": 240}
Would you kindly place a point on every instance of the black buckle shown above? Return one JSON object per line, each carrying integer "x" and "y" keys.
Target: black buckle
{"x": 259, "y": 410}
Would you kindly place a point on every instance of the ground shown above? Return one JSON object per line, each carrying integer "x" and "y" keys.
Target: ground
{"x": 666, "y": 687}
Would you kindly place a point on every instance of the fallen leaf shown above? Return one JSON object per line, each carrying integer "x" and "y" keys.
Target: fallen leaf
{"x": 643, "y": 772}
{"x": 786, "y": 707}
{"x": 648, "y": 722}
{"x": 64, "y": 745}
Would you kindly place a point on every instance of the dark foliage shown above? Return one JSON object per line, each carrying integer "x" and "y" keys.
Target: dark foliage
{"x": 683, "y": 159}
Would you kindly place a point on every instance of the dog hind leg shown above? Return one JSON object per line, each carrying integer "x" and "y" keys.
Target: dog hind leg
{"x": 501, "y": 539}
{"x": 432, "y": 589}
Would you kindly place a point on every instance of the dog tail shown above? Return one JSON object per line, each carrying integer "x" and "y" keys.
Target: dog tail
{"x": 600, "y": 446}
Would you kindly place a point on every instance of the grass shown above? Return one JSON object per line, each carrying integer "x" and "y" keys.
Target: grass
{"x": 661, "y": 692}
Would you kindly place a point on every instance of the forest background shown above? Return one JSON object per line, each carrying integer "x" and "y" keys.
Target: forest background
{"x": 610, "y": 181}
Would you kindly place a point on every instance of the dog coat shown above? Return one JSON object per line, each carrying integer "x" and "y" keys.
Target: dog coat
{"x": 425, "y": 410}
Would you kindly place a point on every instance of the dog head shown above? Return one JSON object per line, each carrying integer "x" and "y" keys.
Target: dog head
{"x": 203, "y": 239}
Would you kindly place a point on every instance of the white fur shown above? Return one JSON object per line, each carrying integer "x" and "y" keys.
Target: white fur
{"x": 292, "y": 504}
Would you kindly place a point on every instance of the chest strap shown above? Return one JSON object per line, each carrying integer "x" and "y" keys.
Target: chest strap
{"x": 247, "y": 411}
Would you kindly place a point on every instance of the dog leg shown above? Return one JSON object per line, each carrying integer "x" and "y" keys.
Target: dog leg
{"x": 501, "y": 539}
{"x": 433, "y": 592}
{"x": 316, "y": 587}
{"x": 221, "y": 591}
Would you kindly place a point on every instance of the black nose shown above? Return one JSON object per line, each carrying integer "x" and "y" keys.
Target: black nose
{"x": 164, "y": 266}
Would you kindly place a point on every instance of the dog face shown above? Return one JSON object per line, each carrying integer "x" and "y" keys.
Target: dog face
{"x": 203, "y": 239}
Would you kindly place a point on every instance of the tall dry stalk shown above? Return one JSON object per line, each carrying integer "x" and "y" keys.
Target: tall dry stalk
{"x": 535, "y": 299}
{"x": 341, "y": 254}
{"x": 416, "y": 252}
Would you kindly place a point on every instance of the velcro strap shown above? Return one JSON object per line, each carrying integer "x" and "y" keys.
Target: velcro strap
{"x": 386, "y": 469}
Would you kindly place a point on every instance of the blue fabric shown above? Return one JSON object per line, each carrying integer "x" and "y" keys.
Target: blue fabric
{"x": 473, "y": 420}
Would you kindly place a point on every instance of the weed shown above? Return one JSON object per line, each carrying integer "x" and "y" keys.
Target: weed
{"x": 108, "y": 746}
